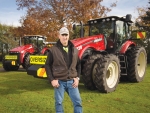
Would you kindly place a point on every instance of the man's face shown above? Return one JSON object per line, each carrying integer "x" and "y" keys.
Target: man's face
{"x": 64, "y": 39}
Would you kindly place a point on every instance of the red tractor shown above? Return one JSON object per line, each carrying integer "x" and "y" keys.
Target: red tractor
{"x": 33, "y": 44}
{"x": 108, "y": 53}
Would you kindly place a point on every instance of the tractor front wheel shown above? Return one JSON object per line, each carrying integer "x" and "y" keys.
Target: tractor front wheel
{"x": 107, "y": 73}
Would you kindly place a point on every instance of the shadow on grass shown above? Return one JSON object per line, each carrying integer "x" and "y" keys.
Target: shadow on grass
{"x": 124, "y": 80}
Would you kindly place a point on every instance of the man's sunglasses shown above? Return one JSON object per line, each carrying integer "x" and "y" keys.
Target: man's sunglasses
{"x": 64, "y": 34}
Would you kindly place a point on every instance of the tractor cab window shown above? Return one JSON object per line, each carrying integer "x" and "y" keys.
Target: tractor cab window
{"x": 122, "y": 31}
{"x": 30, "y": 40}
{"x": 120, "y": 34}
{"x": 40, "y": 40}
{"x": 127, "y": 30}
{"x": 102, "y": 27}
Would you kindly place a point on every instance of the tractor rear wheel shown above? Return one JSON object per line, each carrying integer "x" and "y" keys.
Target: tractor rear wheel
{"x": 137, "y": 62}
{"x": 107, "y": 74}
{"x": 89, "y": 71}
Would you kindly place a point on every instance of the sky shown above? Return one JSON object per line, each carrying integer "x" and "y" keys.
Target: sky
{"x": 9, "y": 14}
{"x": 126, "y": 7}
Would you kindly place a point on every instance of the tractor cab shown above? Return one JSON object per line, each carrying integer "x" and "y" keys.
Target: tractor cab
{"x": 115, "y": 30}
{"x": 36, "y": 40}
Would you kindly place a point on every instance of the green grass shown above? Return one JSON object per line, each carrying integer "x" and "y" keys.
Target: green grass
{"x": 21, "y": 93}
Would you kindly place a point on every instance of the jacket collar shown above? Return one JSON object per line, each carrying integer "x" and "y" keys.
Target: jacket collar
{"x": 59, "y": 44}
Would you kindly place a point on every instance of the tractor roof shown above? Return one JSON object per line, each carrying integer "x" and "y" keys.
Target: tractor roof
{"x": 34, "y": 36}
{"x": 109, "y": 18}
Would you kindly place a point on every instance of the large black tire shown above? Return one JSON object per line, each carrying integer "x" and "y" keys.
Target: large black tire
{"x": 137, "y": 63}
{"x": 89, "y": 71}
{"x": 107, "y": 73}
{"x": 9, "y": 67}
{"x": 14, "y": 68}
{"x": 26, "y": 61}
{"x": 5, "y": 67}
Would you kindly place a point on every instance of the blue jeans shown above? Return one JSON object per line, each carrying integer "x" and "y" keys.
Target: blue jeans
{"x": 73, "y": 94}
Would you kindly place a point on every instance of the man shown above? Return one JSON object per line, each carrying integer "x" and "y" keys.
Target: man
{"x": 63, "y": 69}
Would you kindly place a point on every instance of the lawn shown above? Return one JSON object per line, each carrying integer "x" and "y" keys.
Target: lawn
{"x": 22, "y": 93}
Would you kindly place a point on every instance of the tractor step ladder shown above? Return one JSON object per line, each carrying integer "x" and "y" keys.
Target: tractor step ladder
{"x": 123, "y": 64}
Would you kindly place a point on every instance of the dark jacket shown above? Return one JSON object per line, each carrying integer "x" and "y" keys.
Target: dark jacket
{"x": 61, "y": 65}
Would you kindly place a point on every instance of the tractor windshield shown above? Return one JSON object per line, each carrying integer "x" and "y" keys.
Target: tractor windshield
{"x": 35, "y": 40}
{"x": 30, "y": 40}
{"x": 102, "y": 27}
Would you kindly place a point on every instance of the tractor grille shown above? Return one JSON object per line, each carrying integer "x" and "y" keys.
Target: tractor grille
{"x": 18, "y": 56}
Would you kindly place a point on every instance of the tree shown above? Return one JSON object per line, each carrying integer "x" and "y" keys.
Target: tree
{"x": 143, "y": 23}
{"x": 7, "y": 36}
{"x": 47, "y": 16}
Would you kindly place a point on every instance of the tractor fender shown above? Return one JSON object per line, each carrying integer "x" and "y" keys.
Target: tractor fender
{"x": 126, "y": 45}
{"x": 82, "y": 51}
{"x": 30, "y": 50}
{"x": 88, "y": 50}
{"x": 23, "y": 55}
